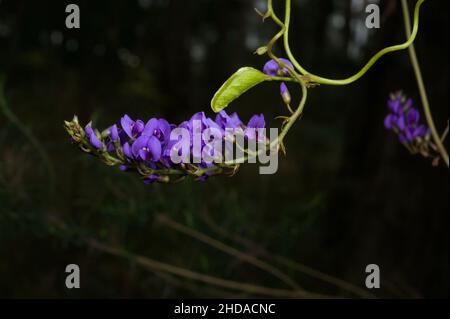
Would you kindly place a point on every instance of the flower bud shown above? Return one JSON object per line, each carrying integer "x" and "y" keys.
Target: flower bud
{"x": 261, "y": 51}
{"x": 284, "y": 91}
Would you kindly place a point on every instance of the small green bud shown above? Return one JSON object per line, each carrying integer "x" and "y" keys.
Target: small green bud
{"x": 261, "y": 51}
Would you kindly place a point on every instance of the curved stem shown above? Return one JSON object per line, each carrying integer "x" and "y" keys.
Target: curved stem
{"x": 369, "y": 64}
{"x": 422, "y": 90}
{"x": 298, "y": 112}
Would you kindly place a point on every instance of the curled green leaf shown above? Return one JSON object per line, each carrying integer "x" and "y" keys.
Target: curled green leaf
{"x": 239, "y": 83}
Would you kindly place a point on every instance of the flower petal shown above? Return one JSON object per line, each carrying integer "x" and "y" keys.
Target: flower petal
{"x": 114, "y": 133}
{"x": 95, "y": 141}
{"x": 127, "y": 151}
{"x": 390, "y": 121}
{"x": 139, "y": 145}
{"x": 154, "y": 148}
{"x": 127, "y": 125}
{"x": 150, "y": 127}
{"x": 257, "y": 121}
{"x": 413, "y": 117}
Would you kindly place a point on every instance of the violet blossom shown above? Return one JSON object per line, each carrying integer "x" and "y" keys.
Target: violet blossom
{"x": 272, "y": 68}
{"x": 404, "y": 120}
{"x": 147, "y": 147}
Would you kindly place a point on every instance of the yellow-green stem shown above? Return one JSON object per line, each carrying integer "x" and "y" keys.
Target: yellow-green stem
{"x": 369, "y": 64}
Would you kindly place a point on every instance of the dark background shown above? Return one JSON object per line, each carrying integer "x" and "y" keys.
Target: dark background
{"x": 346, "y": 195}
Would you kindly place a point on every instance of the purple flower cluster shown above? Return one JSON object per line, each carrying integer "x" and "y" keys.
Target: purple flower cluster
{"x": 272, "y": 68}
{"x": 147, "y": 147}
{"x": 404, "y": 120}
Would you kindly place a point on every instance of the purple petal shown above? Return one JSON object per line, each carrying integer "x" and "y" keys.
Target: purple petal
{"x": 257, "y": 121}
{"x": 221, "y": 119}
{"x": 139, "y": 144}
{"x": 283, "y": 88}
{"x": 401, "y": 122}
{"x": 413, "y": 117}
{"x": 110, "y": 147}
{"x": 138, "y": 127}
{"x": 395, "y": 105}
{"x": 143, "y": 155}
{"x": 409, "y": 134}
{"x": 127, "y": 125}
{"x": 127, "y": 151}
{"x": 165, "y": 129}
{"x": 150, "y": 127}
{"x": 226, "y": 121}
{"x": 200, "y": 116}
{"x": 271, "y": 68}
{"x": 408, "y": 104}
{"x": 114, "y": 133}
{"x": 212, "y": 124}
{"x": 154, "y": 148}
{"x": 95, "y": 141}
{"x": 390, "y": 121}
{"x": 234, "y": 121}
{"x": 421, "y": 131}
{"x": 89, "y": 130}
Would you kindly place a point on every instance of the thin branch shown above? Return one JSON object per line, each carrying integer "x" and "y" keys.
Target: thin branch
{"x": 422, "y": 89}
{"x": 357, "y": 291}
{"x": 164, "y": 220}
{"x": 445, "y": 134}
{"x": 154, "y": 265}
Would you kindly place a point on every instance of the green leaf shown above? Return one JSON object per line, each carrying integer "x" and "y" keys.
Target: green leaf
{"x": 239, "y": 83}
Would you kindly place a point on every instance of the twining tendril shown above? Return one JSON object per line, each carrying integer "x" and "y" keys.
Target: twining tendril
{"x": 322, "y": 80}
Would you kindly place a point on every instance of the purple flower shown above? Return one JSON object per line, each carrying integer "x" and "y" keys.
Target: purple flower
{"x": 133, "y": 144}
{"x": 114, "y": 133}
{"x": 272, "y": 68}
{"x": 257, "y": 121}
{"x": 228, "y": 121}
{"x": 132, "y": 128}
{"x": 93, "y": 138}
{"x": 390, "y": 121}
{"x": 395, "y": 105}
{"x": 127, "y": 151}
{"x": 404, "y": 120}
{"x": 285, "y": 94}
{"x": 167, "y": 153}
{"x": 254, "y": 126}
{"x": 158, "y": 128}
{"x": 147, "y": 148}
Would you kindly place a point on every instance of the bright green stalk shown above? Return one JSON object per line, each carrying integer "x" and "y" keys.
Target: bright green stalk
{"x": 372, "y": 61}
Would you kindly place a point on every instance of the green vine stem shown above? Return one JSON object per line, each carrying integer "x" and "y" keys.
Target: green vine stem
{"x": 422, "y": 90}
{"x": 372, "y": 61}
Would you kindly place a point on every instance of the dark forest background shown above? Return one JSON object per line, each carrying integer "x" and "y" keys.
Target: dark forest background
{"x": 346, "y": 195}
